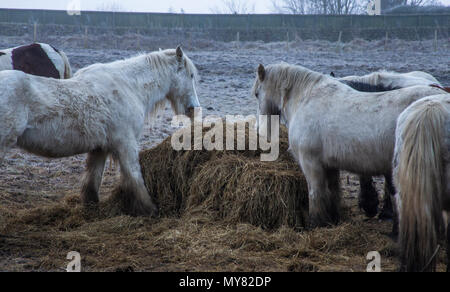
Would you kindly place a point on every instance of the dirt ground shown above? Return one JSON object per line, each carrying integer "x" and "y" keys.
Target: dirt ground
{"x": 41, "y": 219}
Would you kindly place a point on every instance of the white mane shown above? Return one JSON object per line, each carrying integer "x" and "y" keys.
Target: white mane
{"x": 288, "y": 77}
{"x": 394, "y": 80}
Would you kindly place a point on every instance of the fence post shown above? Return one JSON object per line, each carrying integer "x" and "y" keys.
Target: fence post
{"x": 436, "y": 40}
{"x": 287, "y": 41}
{"x": 386, "y": 40}
{"x": 85, "y": 37}
{"x": 340, "y": 42}
{"x": 35, "y": 32}
{"x": 138, "y": 40}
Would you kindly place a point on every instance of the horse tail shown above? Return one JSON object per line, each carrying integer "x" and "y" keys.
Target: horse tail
{"x": 67, "y": 68}
{"x": 420, "y": 178}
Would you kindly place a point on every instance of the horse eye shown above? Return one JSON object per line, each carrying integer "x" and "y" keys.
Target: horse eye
{"x": 192, "y": 76}
{"x": 257, "y": 94}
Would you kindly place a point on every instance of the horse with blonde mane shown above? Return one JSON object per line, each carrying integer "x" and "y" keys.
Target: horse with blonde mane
{"x": 387, "y": 81}
{"x": 422, "y": 178}
{"x": 37, "y": 59}
{"x": 332, "y": 127}
{"x": 100, "y": 111}
{"x": 379, "y": 82}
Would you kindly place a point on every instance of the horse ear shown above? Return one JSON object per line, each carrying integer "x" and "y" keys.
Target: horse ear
{"x": 261, "y": 73}
{"x": 333, "y": 75}
{"x": 179, "y": 54}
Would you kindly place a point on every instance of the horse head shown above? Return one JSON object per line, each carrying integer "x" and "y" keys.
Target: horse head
{"x": 183, "y": 94}
{"x": 264, "y": 91}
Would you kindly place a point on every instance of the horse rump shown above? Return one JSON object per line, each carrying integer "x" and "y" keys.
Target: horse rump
{"x": 420, "y": 178}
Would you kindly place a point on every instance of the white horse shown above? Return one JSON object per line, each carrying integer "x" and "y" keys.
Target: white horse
{"x": 100, "y": 111}
{"x": 379, "y": 82}
{"x": 37, "y": 59}
{"x": 332, "y": 127}
{"x": 387, "y": 81}
{"x": 422, "y": 178}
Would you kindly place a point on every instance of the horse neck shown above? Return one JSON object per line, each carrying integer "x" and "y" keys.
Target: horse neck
{"x": 289, "y": 108}
{"x": 291, "y": 103}
{"x": 151, "y": 84}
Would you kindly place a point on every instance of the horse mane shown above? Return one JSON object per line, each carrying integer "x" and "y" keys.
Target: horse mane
{"x": 162, "y": 60}
{"x": 372, "y": 79}
{"x": 374, "y": 82}
{"x": 288, "y": 77}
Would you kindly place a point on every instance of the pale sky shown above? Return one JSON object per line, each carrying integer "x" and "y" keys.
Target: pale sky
{"x": 189, "y": 6}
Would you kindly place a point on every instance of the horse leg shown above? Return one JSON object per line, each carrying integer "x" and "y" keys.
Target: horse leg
{"x": 134, "y": 194}
{"x": 368, "y": 197}
{"x": 2, "y": 157}
{"x": 322, "y": 208}
{"x": 387, "y": 212}
{"x": 334, "y": 187}
{"x": 93, "y": 177}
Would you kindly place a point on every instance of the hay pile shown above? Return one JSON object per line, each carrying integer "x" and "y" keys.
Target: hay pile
{"x": 233, "y": 186}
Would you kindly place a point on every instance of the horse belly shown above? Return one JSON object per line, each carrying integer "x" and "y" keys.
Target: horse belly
{"x": 361, "y": 157}
{"x": 55, "y": 144}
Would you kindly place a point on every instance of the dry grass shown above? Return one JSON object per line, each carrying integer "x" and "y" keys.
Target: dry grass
{"x": 202, "y": 229}
{"x": 39, "y": 239}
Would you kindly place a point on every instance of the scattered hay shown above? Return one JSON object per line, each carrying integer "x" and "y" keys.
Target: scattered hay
{"x": 202, "y": 230}
{"x": 38, "y": 239}
{"x": 233, "y": 186}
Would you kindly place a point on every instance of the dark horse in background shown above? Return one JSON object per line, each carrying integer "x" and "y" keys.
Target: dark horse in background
{"x": 36, "y": 59}
{"x": 381, "y": 82}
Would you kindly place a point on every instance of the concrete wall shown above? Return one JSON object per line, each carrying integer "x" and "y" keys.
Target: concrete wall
{"x": 225, "y": 27}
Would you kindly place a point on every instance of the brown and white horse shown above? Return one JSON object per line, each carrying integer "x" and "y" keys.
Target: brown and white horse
{"x": 37, "y": 59}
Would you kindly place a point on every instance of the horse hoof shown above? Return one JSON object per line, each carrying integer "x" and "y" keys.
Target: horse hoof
{"x": 370, "y": 210}
{"x": 386, "y": 215}
{"x": 393, "y": 236}
{"x": 313, "y": 224}
{"x": 370, "y": 213}
{"x": 150, "y": 211}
